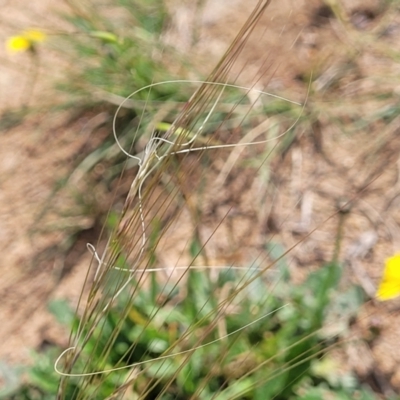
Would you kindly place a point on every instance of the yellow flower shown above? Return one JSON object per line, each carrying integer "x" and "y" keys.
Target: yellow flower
{"x": 25, "y": 41}
{"x": 16, "y": 44}
{"x": 389, "y": 288}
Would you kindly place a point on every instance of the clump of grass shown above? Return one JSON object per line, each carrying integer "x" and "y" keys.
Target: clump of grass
{"x": 171, "y": 345}
{"x": 212, "y": 315}
{"x": 186, "y": 328}
{"x": 107, "y": 58}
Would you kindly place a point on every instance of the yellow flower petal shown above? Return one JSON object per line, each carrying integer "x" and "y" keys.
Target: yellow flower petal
{"x": 18, "y": 43}
{"x": 389, "y": 288}
{"x": 392, "y": 268}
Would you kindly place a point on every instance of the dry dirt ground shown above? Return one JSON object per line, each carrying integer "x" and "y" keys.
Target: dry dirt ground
{"x": 321, "y": 168}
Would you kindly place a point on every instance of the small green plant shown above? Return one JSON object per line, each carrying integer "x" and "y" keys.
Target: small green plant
{"x": 115, "y": 56}
{"x": 265, "y": 344}
{"x": 108, "y": 58}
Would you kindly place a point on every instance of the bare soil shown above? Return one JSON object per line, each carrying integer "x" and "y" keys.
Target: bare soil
{"x": 320, "y": 172}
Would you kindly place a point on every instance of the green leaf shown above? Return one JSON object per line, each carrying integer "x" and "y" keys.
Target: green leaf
{"x": 10, "y": 380}
{"x": 106, "y": 37}
{"x": 276, "y": 252}
{"x": 161, "y": 369}
{"x": 158, "y": 345}
{"x": 62, "y": 311}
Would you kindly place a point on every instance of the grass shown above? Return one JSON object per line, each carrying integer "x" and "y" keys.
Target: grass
{"x": 190, "y": 292}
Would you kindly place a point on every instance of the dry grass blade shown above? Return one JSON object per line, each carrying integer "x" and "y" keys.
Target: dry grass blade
{"x": 123, "y": 271}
